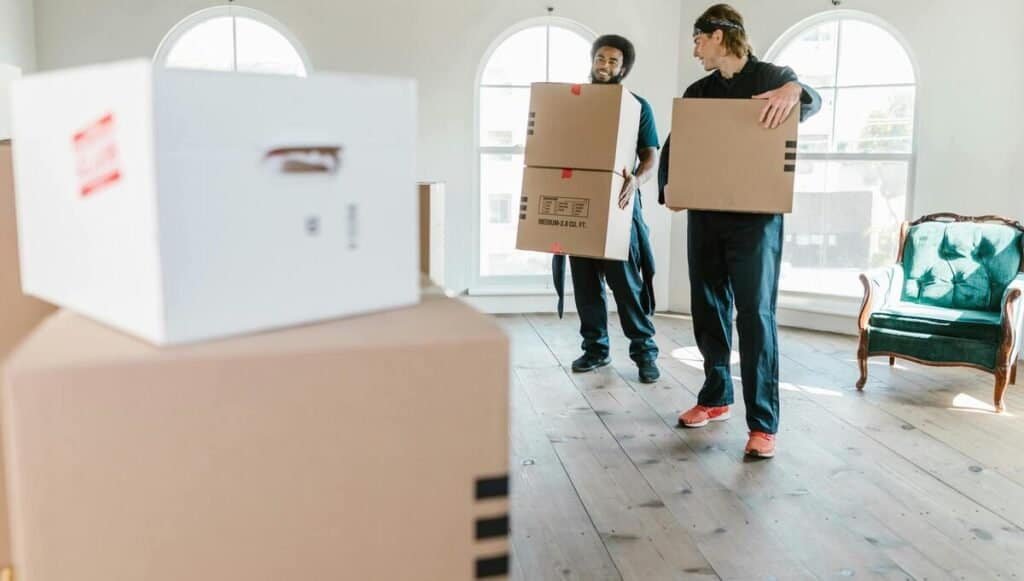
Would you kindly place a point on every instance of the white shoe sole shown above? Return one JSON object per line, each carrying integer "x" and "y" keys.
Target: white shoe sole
{"x": 720, "y": 418}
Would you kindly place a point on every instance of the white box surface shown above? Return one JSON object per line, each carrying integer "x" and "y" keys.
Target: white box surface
{"x": 188, "y": 205}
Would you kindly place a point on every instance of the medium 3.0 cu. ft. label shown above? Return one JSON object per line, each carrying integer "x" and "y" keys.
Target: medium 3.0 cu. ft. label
{"x": 562, "y": 206}
{"x": 563, "y": 212}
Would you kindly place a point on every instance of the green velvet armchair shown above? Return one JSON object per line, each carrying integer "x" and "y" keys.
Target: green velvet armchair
{"x": 951, "y": 299}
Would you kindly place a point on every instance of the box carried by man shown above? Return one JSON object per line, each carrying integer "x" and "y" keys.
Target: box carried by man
{"x": 723, "y": 159}
{"x": 580, "y": 139}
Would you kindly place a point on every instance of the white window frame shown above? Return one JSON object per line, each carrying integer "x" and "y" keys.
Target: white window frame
{"x": 507, "y": 203}
{"x": 192, "y": 20}
{"x": 910, "y": 158}
{"x": 522, "y": 284}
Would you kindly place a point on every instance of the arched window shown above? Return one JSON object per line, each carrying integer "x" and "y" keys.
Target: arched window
{"x": 548, "y": 49}
{"x": 233, "y": 38}
{"x": 856, "y": 161}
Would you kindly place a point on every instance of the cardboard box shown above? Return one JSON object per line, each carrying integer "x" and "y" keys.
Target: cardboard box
{"x": 18, "y": 313}
{"x": 574, "y": 212}
{"x": 723, "y": 159}
{"x": 592, "y": 127}
{"x": 367, "y": 448}
{"x": 432, "y": 237}
{"x": 185, "y": 205}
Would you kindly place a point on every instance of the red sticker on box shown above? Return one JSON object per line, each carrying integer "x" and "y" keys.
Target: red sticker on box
{"x": 557, "y": 248}
{"x": 576, "y": 89}
{"x": 566, "y": 174}
{"x": 97, "y": 162}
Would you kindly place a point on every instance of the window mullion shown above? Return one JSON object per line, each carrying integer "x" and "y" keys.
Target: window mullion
{"x": 835, "y": 90}
{"x": 234, "y": 43}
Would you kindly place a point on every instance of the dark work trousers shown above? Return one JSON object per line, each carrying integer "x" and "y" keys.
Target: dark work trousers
{"x": 626, "y": 282}
{"x": 734, "y": 258}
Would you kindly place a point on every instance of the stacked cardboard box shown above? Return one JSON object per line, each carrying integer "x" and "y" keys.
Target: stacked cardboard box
{"x": 367, "y": 448}
{"x": 18, "y": 313}
{"x": 723, "y": 159}
{"x": 239, "y": 434}
{"x": 580, "y": 140}
{"x": 432, "y": 238}
{"x": 188, "y": 205}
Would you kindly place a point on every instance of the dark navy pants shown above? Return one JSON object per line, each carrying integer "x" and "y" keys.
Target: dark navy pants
{"x": 734, "y": 260}
{"x": 626, "y": 283}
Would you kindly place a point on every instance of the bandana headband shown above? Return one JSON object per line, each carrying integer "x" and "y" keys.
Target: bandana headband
{"x": 709, "y": 25}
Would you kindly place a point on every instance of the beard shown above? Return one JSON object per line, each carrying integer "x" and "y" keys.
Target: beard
{"x": 617, "y": 79}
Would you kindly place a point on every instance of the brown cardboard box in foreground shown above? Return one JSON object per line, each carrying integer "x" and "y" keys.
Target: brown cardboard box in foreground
{"x": 18, "y": 313}
{"x": 432, "y": 231}
{"x": 723, "y": 159}
{"x": 574, "y": 212}
{"x": 592, "y": 127}
{"x": 374, "y": 447}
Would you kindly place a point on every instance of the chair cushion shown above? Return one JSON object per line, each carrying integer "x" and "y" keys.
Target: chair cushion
{"x": 960, "y": 265}
{"x": 933, "y": 348}
{"x": 929, "y": 320}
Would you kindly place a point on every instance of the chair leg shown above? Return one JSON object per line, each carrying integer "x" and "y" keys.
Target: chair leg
{"x": 862, "y": 362}
{"x": 892, "y": 361}
{"x": 1002, "y": 379}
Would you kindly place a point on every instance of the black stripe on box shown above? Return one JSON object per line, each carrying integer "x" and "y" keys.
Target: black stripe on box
{"x": 791, "y": 144}
{"x": 489, "y": 528}
{"x": 790, "y": 168}
{"x": 790, "y": 156}
{"x": 496, "y": 487}
{"x": 492, "y": 567}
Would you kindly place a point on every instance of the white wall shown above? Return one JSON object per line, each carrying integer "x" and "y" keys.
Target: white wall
{"x": 441, "y": 43}
{"x": 17, "y": 52}
{"x": 17, "y": 34}
{"x": 970, "y": 137}
{"x": 970, "y": 128}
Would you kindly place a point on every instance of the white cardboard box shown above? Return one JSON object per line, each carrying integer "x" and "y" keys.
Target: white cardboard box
{"x": 188, "y": 205}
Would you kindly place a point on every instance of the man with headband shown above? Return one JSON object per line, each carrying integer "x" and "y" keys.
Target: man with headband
{"x": 612, "y": 59}
{"x": 735, "y": 256}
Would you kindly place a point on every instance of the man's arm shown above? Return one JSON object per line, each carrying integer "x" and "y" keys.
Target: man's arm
{"x": 648, "y": 160}
{"x": 647, "y": 154}
{"x": 782, "y": 100}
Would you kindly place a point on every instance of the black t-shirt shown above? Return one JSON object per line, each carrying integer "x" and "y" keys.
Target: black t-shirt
{"x": 756, "y": 77}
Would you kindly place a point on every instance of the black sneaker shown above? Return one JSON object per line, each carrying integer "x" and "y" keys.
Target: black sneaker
{"x": 648, "y": 371}
{"x": 588, "y": 362}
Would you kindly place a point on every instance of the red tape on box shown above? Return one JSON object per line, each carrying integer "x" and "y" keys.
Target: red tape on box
{"x": 97, "y": 160}
{"x": 566, "y": 174}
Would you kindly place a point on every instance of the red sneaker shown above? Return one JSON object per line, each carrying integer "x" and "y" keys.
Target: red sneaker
{"x": 700, "y": 415}
{"x": 760, "y": 445}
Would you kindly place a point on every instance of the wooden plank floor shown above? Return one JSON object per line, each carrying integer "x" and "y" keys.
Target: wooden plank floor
{"x": 915, "y": 478}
